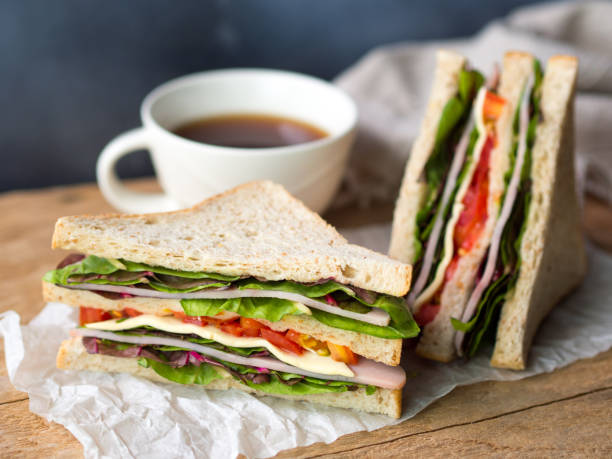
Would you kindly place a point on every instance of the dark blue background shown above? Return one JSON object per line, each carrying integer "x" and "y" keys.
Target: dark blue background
{"x": 74, "y": 71}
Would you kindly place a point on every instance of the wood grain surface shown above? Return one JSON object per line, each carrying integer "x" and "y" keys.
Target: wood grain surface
{"x": 564, "y": 413}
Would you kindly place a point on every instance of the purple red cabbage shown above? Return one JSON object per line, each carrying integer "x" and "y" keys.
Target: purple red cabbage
{"x": 175, "y": 359}
{"x": 330, "y": 300}
{"x": 366, "y": 295}
{"x": 182, "y": 283}
{"x": 119, "y": 276}
{"x": 261, "y": 352}
{"x": 98, "y": 346}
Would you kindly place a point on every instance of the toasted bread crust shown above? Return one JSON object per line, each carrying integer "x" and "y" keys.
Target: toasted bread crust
{"x": 254, "y": 229}
{"x": 387, "y": 351}
{"x": 73, "y": 356}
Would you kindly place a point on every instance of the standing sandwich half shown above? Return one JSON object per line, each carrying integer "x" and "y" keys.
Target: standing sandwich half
{"x": 483, "y": 223}
{"x": 247, "y": 290}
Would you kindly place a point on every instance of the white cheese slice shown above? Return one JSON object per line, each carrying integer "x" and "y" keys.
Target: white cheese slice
{"x": 309, "y": 361}
{"x": 449, "y": 231}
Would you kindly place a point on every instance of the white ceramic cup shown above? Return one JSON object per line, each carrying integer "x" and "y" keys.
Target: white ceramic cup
{"x": 189, "y": 171}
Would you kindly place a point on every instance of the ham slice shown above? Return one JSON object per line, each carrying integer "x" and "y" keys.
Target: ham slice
{"x": 375, "y": 317}
{"x": 366, "y": 371}
{"x": 511, "y": 193}
{"x": 434, "y": 236}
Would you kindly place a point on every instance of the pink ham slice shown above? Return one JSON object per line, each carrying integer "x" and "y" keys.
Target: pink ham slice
{"x": 375, "y": 317}
{"x": 489, "y": 270}
{"x": 366, "y": 371}
{"x": 449, "y": 186}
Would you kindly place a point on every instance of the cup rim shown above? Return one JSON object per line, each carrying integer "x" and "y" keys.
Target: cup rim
{"x": 172, "y": 85}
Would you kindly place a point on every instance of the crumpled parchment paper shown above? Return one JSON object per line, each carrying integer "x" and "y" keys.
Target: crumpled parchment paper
{"x": 121, "y": 416}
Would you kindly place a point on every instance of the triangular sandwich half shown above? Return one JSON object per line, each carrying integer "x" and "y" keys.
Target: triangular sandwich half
{"x": 248, "y": 289}
{"x": 552, "y": 254}
{"x": 471, "y": 203}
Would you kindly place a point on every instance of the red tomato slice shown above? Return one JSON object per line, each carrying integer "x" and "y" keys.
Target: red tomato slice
{"x": 493, "y": 106}
{"x": 427, "y": 313}
{"x": 281, "y": 341}
{"x": 474, "y": 215}
{"x": 250, "y": 327}
{"x": 196, "y": 320}
{"x": 233, "y": 328}
{"x": 131, "y": 312}
{"x": 90, "y": 315}
{"x": 179, "y": 314}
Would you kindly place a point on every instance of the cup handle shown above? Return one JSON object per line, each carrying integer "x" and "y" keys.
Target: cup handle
{"x": 114, "y": 191}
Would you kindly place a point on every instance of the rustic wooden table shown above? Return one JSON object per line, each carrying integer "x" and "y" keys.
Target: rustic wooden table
{"x": 565, "y": 413}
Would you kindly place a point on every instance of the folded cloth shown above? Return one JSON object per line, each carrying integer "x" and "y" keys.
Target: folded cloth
{"x": 391, "y": 86}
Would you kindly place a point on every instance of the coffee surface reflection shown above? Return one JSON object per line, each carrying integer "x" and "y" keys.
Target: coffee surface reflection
{"x": 250, "y": 131}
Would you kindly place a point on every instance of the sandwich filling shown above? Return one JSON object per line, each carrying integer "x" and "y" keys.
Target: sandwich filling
{"x": 468, "y": 212}
{"x": 198, "y": 350}
{"x": 456, "y": 227}
{"x": 500, "y": 269}
{"x": 208, "y": 294}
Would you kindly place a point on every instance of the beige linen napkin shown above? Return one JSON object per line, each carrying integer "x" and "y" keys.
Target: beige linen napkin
{"x": 391, "y": 86}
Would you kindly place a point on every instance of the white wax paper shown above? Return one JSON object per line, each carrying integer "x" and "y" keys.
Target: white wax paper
{"x": 122, "y": 416}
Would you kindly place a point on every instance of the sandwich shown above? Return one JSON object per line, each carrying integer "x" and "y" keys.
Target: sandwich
{"x": 247, "y": 290}
{"x": 488, "y": 212}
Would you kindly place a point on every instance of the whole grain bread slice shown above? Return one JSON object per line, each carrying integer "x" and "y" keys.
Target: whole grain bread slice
{"x": 387, "y": 351}
{"x": 553, "y": 259}
{"x": 73, "y": 356}
{"x": 255, "y": 229}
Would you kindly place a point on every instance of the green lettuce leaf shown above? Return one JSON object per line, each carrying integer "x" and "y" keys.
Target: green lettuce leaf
{"x": 190, "y": 374}
{"x": 164, "y": 288}
{"x": 491, "y": 310}
{"x": 352, "y": 302}
{"x": 402, "y": 324}
{"x": 104, "y": 266}
{"x": 131, "y": 266}
{"x": 272, "y": 309}
{"x": 304, "y": 387}
{"x": 450, "y": 126}
{"x": 310, "y": 291}
{"x": 308, "y": 385}
{"x": 89, "y": 265}
{"x": 492, "y": 291}
{"x": 205, "y": 373}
